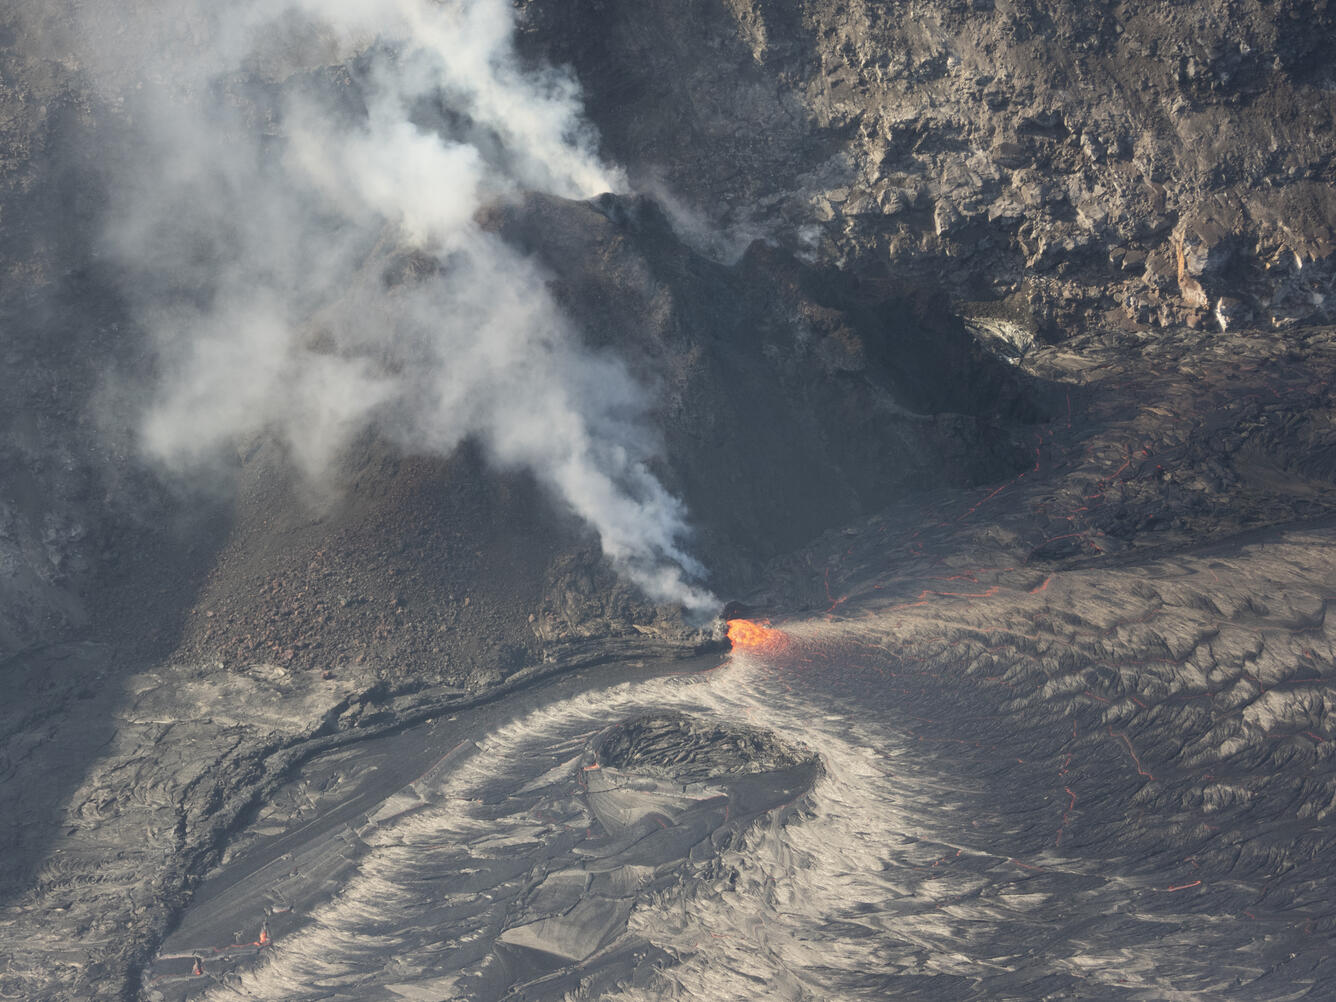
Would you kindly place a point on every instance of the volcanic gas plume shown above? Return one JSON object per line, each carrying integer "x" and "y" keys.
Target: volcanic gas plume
{"x": 297, "y": 220}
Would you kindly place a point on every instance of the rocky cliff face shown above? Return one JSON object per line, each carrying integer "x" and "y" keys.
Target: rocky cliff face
{"x": 1129, "y": 165}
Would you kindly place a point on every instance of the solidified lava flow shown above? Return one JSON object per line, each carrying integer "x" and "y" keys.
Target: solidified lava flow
{"x": 749, "y": 635}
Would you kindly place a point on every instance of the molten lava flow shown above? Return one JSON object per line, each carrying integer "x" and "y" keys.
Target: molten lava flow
{"x": 745, "y": 634}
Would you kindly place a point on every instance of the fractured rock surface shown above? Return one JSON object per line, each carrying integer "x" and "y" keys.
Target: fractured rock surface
{"x": 1114, "y": 162}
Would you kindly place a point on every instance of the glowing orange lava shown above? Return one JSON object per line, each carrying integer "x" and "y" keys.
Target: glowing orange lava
{"x": 751, "y": 636}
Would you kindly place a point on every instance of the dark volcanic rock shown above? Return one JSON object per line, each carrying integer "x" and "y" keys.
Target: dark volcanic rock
{"x": 996, "y": 151}
{"x": 1022, "y": 305}
{"x": 674, "y": 746}
{"x": 792, "y": 397}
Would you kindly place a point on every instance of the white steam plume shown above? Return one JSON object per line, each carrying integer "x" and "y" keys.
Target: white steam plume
{"x": 289, "y": 148}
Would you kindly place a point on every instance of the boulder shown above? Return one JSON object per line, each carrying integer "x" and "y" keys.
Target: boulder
{"x": 1011, "y": 155}
{"x": 946, "y": 217}
{"x": 1203, "y": 248}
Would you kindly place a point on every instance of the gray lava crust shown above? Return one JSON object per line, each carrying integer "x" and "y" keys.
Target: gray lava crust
{"x": 677, "y": 747}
